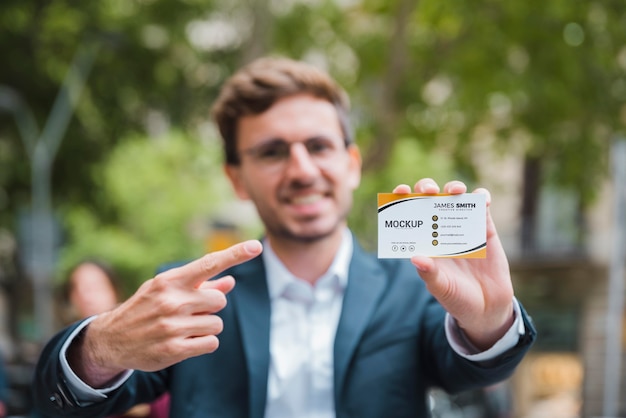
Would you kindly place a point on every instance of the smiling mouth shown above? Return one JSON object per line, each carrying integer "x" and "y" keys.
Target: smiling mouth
{"x": 307, "y": 200}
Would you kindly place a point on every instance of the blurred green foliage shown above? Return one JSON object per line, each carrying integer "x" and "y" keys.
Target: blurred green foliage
{"x": 164, "y": 191}
{"x": 428, "y": 79}
{"x": 410, "y": 163}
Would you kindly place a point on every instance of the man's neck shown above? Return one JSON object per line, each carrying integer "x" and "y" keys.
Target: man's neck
{"x": 307, "y": 260}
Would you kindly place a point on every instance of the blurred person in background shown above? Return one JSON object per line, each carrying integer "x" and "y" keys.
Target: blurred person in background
{"x": 91, "y": 289}
{"x": 315, "y": 326}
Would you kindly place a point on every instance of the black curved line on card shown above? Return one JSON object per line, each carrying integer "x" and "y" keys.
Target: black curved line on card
{"x": 395, "y": 202}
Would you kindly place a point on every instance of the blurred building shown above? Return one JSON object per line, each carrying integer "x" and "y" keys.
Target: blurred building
{"x": 560, "y": 272}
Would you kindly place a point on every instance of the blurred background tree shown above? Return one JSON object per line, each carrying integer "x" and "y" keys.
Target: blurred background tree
{"x": 162, "y": 190}
{"x": 430, "y": 80}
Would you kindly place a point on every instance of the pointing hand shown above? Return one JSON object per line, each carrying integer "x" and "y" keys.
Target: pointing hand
{"x": 170, "y": 318}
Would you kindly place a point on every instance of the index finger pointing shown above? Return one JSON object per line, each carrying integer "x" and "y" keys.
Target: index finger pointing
{"x": 211, "y": 264}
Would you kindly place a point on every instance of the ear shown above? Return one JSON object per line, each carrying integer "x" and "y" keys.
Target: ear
{"x": 233, "y": 172}
{"x": 354, "y": 168}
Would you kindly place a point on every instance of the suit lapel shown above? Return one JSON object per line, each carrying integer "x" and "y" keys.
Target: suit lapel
{"x": 252, "y": 306}
{"x": 366, "y": 283}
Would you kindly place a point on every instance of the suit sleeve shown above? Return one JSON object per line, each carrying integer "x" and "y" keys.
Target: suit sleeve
{"x": 460, "y": 343}
{"x": 3, "y": 383}
{"x": 454, "y": 373}
{"x": 53, "y": 397}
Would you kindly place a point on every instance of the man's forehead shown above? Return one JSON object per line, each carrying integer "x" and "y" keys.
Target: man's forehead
{"x": 292, "y": 118}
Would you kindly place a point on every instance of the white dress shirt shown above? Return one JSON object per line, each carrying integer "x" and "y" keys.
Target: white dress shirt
{"x": 302, "y": 333}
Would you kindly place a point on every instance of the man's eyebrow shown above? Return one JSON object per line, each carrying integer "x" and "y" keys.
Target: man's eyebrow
{"x": 271, "y": 140}
{"x": 265, "y": 142}
{"x": 277, "y": 140}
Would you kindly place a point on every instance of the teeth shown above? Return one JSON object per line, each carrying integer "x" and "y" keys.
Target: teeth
{"x": 306, "y": 200}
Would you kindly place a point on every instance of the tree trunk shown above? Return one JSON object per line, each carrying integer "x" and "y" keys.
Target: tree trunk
{"x": 530, "y": 204}
{"x": 388, "y": 110}
{"x": 257, "y": 45}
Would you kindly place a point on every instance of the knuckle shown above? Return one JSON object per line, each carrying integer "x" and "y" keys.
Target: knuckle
{"x": 146, "y": 288}
{"x": 171, "y": 349}
{"x": 208, "y": 263}
{"x": 218, "y": 300}
{"x": 168, "y": 305}
{"x": 165, "y": 327}
{"x": 159, "y": 282}
{"x": 236, "y": 252}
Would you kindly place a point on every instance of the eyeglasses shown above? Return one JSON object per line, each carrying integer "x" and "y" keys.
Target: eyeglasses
{"x": 275, "y": 154}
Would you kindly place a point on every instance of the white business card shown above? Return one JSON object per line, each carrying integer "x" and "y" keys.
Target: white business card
{"x": 440, "y": 225}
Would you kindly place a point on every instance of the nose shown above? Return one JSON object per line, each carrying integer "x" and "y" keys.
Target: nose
{"x": 300, "y": 163}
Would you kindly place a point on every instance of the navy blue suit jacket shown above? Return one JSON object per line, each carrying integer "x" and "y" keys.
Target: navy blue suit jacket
{"x": 389, "y": 349}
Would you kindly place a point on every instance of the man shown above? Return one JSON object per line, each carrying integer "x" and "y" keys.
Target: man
{"x": 315, "y": 327}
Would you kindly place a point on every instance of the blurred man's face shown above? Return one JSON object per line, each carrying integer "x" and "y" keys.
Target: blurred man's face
{"x": 92, "y": 291}
{"x": 296, "y": 168}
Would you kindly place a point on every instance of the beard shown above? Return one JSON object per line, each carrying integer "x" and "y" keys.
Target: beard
{"x": 303, "y": 233}
{"x": 285, "y": 234}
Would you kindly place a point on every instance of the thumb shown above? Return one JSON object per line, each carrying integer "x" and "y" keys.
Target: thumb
{"x": 429, "y": 272}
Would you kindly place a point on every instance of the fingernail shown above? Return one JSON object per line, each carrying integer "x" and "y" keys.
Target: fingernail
{"x": 252, "y": 247}
{"x": 431, "y": 185}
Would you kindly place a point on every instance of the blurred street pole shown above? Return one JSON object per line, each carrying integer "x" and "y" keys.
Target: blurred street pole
{"x": 615, "y": 310}
{"x": 42, "y": 149}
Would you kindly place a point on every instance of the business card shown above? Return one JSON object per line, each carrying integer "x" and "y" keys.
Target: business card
{"x": 440, "y": 225}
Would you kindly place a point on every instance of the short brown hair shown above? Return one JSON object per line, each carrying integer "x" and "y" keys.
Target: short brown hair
{"x": 256, "y": 87}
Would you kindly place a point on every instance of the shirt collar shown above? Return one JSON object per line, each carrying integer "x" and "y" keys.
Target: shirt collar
{"x": 278, "y": 277}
